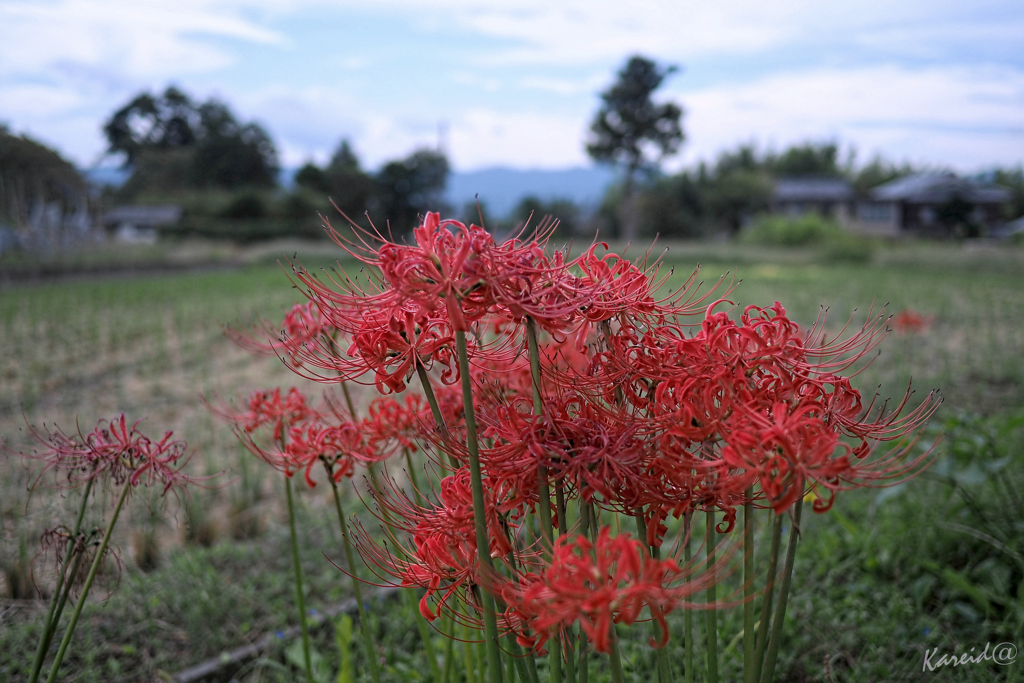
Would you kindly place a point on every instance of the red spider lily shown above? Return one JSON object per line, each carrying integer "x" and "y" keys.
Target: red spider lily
{"x": 911, "y": 322}
{"x": 58, "y": 539}
{"x": 300, "y": 334}
{"x": 443, "y": 269}
{"x": 336, "y": 447}
{"x": 593, "y": 451}
{"x": 444, "y": 557}
{"x": 267, "y": 407}
{"x": 787, "y": 450}
{"x": 115, "y": 450}
{"x": 391, "y": 347}
{"x": 160, "y": 462}
{"x": 597, "y": 584}
{"x": 392, "y": 425}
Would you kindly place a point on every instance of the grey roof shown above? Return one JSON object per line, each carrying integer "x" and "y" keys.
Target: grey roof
{"x": 143, "y": 215}
{"x": 812, "y": 190}
{"x": 936, "y": 188}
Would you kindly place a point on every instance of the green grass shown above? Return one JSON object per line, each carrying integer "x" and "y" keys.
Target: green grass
{"x": 865, "y": 593}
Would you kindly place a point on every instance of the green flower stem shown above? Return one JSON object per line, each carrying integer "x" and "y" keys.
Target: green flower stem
{"x": 364, "y": 620}
{"x": 425, "y": 635}
{"x": 435, "y": 409}
{"x": 526, "y": 664}
{"x": 298, "y": 580}
{"x": 563, "y": 524}
{"x": 483, "y": 545}
{"x": 348, "y": 400}
{"x": 584, "y": 668}
{"x": 65, "y": 594}
{"x": 543, "y": 489}
{"x": 766, "y": 602}
{"x": 449, "y": 648}
{"x": 421, "y": 622}
{"x": 780, "y": 614}
{"x": 593, "y": 528}
{"x": 60, "y": 596}
{"x": 467, "y": 653}
{"x": 409, "y": 598}
{"x": 688, "y": 634}
{"x": 748, "y": 586}
{"x": 712, "y": 598}
{"x": 614, "y": 657}
{"x": 664, "y": 675}
{"x": 88, "y": 584}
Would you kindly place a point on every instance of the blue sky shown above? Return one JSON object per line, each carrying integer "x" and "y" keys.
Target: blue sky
{"x": 516, "y": 83}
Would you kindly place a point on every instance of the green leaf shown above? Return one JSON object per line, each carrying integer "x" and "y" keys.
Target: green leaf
{"x": 343, "y": 638}
{"x": 958, "y": 581}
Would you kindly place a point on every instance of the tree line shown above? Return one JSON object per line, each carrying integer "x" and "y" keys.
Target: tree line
{"x": 225, "y": 171}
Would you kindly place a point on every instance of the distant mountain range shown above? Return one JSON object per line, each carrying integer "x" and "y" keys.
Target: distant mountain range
{"x": 499, "y": 189}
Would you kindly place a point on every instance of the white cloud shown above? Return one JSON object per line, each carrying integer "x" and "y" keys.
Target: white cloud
{"x": 959, "y": 116}
{"x": 65, "y": 64}
{"x": 309, "y": 123}
{"x": 488, "y": 137}
{"x": 138, "y": 37}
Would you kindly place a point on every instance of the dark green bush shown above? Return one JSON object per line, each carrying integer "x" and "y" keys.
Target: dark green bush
{"x": 247, "y": 205}
{"x": 810, "y": 230}
{"x": 786, "y": 231}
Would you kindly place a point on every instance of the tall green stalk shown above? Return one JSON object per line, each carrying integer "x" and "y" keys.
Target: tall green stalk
{"x": 364, "y": 620}
{"x": 300, "y": 599}
{"x": 60, "y": 596}
{"x": 748, "y": 586}
{"x": 766, "y": 601}
{"x": 664, "y": 675}
{"x": 88, "y": 584}
{"x": 712, "y": 598}
{"x": 483, "y": 545}
{"x": 615, "y": 657}
{"x": 421, "y": 622}
{"x": 543, "y": 489}
{"x": 435, "y": 409}
{"x": 584, "y": 669}
{"x": 563, "y": 524}
{"x": 688, "y": 634}
{"x": 780, "y": 613}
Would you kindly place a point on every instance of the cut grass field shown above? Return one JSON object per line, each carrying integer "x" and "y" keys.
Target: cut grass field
{"x": 151, "y": 346}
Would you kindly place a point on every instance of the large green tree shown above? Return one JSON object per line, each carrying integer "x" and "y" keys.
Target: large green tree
{"x": 33, "y": 176}
{"x": 171, "y": 142}
{"x": 343, "y": 181}
{"x": 407, "y": 189}
{"x": 633, "y": 132}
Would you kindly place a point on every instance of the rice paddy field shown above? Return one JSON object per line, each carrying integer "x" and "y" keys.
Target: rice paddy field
{"x": 881, "y": 578}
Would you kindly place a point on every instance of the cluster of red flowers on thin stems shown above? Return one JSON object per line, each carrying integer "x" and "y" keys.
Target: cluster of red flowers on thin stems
{"x": 561, "y": 398}
{"x": 115, "y": 453}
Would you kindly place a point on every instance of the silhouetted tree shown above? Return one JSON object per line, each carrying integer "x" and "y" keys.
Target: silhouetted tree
{"x": 809, "y": 159}
{"x": 1012, "y": 179}
{"x": 170, "y": 139}
{"x": 633, "y": 132}
{"x": 312, "y": 177}
{"x": 534, "y": 209}
{"x": 149, "y": 122}
{"x": 32, "y": 176}
{"x": 674, "y": 207}
{"x": 408, "y": 189}
{"x": 347, "y": 184}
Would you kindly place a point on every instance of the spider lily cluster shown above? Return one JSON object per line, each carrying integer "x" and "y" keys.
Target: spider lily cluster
{"x": 115, "y": 454}
{"x": 563, "y": 399}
